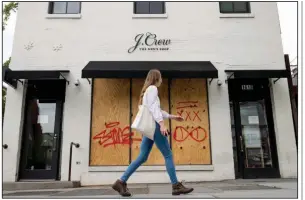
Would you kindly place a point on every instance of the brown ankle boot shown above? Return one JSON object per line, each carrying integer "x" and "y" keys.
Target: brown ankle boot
{"x": 121, "y": 188}
{"x": 178, "y": 189}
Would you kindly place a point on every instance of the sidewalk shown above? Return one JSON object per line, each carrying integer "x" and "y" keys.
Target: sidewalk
{"x": 258, "y": 188}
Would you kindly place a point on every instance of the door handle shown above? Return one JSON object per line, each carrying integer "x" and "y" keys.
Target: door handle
{"x": 54, "y": 142}
{"x": 241, "y": 144}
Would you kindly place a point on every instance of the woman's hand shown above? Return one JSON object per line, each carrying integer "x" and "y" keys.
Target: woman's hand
{"x": 163, "y": 129}
{"x": 178, "y": 118}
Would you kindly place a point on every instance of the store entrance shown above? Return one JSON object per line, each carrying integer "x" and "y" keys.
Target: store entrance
{"x": 254, "y": 144}
{"x": 41, "y": 141}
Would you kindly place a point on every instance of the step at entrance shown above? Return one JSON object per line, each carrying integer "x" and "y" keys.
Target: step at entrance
{"x": 37, "y": 185}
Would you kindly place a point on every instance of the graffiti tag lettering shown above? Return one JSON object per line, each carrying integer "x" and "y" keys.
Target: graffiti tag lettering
{"x": 113, "y": 135}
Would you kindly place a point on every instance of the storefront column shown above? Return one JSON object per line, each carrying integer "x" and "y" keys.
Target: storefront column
{"x": 220, "y": 128}
{"x": 12, "y": 132}
{"x": 284, "y": 131}
{"x": 76, "y": 127}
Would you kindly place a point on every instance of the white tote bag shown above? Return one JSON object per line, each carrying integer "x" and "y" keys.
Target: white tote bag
{"x": 144, "y": 122}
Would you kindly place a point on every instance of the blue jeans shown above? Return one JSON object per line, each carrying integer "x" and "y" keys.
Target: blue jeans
{"x": 146, "y": 146}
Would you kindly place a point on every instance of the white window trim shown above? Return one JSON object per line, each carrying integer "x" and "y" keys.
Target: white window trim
{"x": 237, "y": 15}
{"x": 145, "y": 16}
{"x": 152, "y": 168}
{"x": 64, "y": 16}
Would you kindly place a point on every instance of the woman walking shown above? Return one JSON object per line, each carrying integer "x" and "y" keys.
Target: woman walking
{"x": 149, "y": 97}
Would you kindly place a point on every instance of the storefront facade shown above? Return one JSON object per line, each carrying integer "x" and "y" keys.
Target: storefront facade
{"x": 82, "y": 74}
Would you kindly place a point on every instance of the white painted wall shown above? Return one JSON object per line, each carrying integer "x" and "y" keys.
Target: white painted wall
{"x": 105, "y": 31}
{"x": 283, "y": 122}
{"x": 12, "y": 130}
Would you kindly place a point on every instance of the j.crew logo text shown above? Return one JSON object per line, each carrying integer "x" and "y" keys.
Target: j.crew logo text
{"x": 149, "y": 42}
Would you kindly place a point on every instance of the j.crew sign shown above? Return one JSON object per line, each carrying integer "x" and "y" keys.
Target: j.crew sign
{"x": 149, "y": 42}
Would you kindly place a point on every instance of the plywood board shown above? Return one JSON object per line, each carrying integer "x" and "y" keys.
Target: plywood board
{"x": 110, "y": 122}
{"x": 191, "y": 138}
{"x": 155, "y": 157}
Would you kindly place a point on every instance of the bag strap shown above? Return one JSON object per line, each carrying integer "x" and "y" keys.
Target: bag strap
{"x": 144, "y": 95}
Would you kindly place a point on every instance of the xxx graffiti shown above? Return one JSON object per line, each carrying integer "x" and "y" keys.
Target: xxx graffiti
{"x": 182, "y": 108}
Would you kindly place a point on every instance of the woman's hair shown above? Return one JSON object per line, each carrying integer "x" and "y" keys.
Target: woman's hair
{"x": 152, "y": 78}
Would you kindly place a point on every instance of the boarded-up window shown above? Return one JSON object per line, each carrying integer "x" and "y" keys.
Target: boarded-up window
{"x": 191, "y": 138}
{"x": 110, "y": 122}
{"x": 112, "y": 109}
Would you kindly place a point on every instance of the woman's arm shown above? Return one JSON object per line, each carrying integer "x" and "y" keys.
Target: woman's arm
{"x": 153, "y": 104}
{"x": 166, "y": 115}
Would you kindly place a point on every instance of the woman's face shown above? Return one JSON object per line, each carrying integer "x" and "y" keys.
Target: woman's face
{"x": 159, "y": 82}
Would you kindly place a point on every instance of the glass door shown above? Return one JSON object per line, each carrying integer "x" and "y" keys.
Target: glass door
{"x": 41, "y": 136}
{"x": 253, "y": 137}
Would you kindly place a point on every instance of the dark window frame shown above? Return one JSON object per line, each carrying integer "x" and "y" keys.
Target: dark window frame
{"x": 51, "y": 8}
{"x": 248, "y": 7}
{"x": 149, "y": 13}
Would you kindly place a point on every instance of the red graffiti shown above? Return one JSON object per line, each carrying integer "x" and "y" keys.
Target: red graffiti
{"x": 181, "y": 102}
{"x": 181, "y": 134}
{"x": 113, "y": 135}
{"x": 190, "y": 106}
{"x": 188, "y": 115}
{"x": 180, "y": 113}
{"x": 196, "y": 116}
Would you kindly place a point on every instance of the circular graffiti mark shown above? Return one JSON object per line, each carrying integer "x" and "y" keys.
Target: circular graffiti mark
{"x": 181, "y": 134}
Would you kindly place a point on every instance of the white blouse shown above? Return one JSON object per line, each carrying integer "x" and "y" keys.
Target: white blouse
{"x": 152, "y": 101}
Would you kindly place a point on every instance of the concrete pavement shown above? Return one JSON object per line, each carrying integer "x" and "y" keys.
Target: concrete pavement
{"x": 268, "y": 188}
